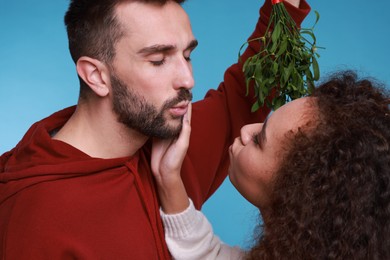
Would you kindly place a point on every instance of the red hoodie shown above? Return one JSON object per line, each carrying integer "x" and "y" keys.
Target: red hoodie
{"x": 57, "y": 202}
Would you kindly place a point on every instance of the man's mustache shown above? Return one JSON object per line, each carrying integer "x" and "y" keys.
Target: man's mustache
{"x": 184, "y": 95}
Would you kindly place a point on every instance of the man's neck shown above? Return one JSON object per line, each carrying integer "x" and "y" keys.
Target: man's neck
{"x": 96, "y": 132}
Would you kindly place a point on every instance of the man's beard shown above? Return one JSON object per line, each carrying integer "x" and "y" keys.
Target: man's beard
{"x": 136, "y": 113}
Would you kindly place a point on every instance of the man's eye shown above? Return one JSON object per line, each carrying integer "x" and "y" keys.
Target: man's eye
{"x": 158, "y": 62}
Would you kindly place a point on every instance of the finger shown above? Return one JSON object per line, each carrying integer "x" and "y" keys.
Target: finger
{"x": 188, "y": 115}
{"x": 159, "y": 148}
{"x": 155, "y": 155}
{"x": 184, "y": 137}
{"x": 170, "y": 153}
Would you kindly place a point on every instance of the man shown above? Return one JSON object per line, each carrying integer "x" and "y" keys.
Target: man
{"x": 79, "y": 185}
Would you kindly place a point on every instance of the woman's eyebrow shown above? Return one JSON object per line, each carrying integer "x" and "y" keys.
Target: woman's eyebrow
{"x": 263, "y": 134}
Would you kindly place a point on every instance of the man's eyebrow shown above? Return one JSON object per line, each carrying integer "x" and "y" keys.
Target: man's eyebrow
{"x": 161, "y": 48}
{"x": 156, "y": 49}
{"x": 192, "y": 45}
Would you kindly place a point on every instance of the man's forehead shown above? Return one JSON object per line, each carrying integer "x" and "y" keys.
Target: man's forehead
{"x": 146, "y": 12}
{"x": 148, "y": 25}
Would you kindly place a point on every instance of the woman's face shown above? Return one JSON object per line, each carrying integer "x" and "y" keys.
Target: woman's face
{"x": 257, "y": 153}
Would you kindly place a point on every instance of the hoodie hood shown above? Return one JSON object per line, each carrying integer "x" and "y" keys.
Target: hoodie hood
{"x": 38, "y": 158}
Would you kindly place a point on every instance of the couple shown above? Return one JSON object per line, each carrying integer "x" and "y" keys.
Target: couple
{"x": 79, "y": 184}
{"x": 318, "y": 169}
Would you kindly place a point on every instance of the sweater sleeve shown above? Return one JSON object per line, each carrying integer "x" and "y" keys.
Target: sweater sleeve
{"x": 189, "y": 236}
{"x": 218, "y": 118}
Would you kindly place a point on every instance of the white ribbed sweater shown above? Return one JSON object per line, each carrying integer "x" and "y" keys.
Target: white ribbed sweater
{"x": 189, "y": 235}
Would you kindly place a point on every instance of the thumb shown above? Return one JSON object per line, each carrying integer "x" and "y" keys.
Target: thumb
{"x": 184, "y": 136}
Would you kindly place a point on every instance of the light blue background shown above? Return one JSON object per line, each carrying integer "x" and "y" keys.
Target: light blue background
{"x": 37, "y": 76}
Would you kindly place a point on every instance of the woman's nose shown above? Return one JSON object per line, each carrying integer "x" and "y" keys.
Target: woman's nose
{"x": 248, "y": 131}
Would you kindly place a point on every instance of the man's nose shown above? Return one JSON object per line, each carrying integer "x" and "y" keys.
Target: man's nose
{"x": 184, "y": 77}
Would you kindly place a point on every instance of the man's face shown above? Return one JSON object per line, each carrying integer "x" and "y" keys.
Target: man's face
{"x": 136, "y": 113}
{"x": 151, "y": 74}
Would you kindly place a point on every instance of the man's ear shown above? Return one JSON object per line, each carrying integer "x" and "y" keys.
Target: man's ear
{"x": 95, "y": 74}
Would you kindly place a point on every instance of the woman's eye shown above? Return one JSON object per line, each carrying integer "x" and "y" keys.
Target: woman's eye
{"x": 258, "y": 140}
{"x": 255, "y": 138}
{"x": 188, "y": 58}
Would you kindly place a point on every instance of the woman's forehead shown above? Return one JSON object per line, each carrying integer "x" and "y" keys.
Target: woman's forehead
{"x": 292, "y": 115}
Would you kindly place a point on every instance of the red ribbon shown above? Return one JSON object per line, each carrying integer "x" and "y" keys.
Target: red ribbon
{"x": 274, "y": 2}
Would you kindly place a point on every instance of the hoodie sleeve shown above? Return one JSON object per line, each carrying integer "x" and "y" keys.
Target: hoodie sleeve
{"x": 218, "y": 118}
{"x": 3, "y": 159}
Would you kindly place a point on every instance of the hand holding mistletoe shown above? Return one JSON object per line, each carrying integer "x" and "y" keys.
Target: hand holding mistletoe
{"x": 286, "y": 63}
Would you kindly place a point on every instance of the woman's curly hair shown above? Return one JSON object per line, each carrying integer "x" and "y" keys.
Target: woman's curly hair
{"x": 331, "y": 195}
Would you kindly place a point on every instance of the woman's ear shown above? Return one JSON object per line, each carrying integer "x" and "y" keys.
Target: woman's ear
{"x": 95, "y": 74}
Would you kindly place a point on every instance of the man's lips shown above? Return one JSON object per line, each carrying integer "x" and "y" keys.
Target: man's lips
{"x": 179, "y": 109}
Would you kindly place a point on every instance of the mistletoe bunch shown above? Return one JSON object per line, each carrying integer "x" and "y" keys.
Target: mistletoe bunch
{"x": 286, "y": 63}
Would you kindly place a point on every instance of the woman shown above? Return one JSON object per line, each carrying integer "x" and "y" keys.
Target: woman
{"x": 318, "y": 170}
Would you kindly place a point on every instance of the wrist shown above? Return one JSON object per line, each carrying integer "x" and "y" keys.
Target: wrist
{"x": 173, "y": 197}
{"x": 166, "y": 184}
